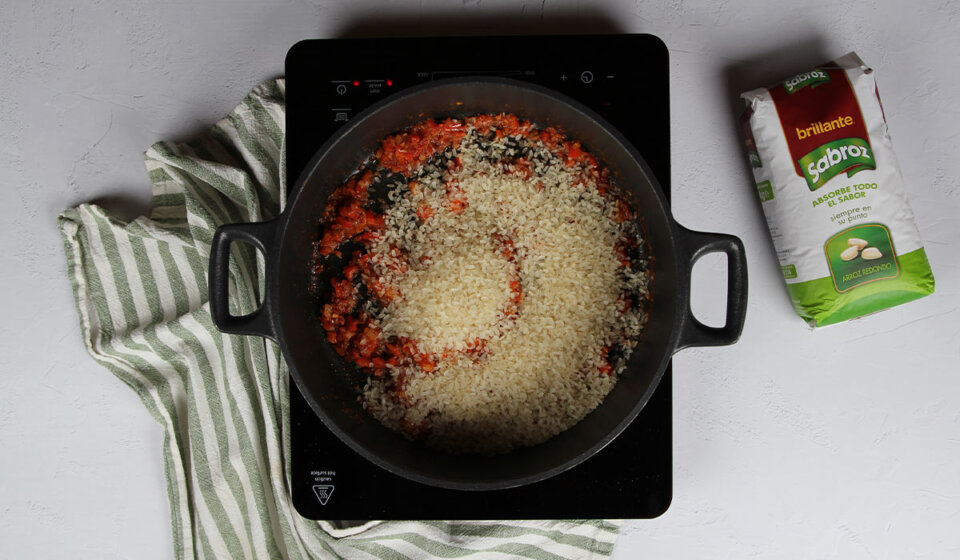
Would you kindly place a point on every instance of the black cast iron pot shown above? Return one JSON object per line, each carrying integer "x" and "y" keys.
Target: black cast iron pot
{"x": 288, "y": 314}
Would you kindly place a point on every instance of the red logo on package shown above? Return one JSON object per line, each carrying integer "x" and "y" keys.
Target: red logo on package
{"x": 818, "y": 114}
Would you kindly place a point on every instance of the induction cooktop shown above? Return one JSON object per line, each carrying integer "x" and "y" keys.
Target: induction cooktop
{"x": 624, "y": 78}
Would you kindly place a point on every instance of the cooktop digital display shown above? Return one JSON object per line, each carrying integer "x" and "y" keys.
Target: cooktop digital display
{"x": 624, "y": 78}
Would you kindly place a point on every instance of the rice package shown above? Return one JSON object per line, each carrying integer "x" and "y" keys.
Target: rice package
{"x": 833, "y": 195}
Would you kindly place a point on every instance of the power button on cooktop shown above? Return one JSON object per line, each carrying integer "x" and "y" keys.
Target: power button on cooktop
{"x": 586, "y": 76}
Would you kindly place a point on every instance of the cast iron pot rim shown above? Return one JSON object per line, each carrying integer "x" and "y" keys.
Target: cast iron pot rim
{"x": 314, "y": 166}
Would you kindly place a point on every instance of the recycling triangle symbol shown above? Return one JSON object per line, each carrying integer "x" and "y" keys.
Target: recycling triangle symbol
{"x": 323, "y": 492}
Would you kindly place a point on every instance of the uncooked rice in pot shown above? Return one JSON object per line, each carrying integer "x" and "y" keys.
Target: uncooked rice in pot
{"x": 513, "y": 289}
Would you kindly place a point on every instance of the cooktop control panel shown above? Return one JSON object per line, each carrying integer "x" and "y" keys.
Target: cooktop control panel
{"x": 622, "y": 77}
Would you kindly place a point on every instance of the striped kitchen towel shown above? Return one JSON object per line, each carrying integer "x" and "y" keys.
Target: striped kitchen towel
{"x": 141, "y": 293}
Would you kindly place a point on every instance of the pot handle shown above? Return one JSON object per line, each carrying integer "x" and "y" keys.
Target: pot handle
{"x": 259, "y": 322}
{"x": 695, "y": 245}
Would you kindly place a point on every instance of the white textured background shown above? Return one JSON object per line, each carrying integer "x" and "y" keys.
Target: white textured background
{"x": 841, "y": 443}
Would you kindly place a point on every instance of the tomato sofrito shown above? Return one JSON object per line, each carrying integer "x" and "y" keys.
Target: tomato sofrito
{"x": 354, "y": 219}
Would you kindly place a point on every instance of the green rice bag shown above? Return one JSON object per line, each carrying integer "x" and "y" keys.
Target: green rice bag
{"x": 833, "y": 195}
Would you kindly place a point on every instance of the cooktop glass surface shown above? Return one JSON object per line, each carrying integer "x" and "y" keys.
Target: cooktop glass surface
{"x": 624, "y": 78}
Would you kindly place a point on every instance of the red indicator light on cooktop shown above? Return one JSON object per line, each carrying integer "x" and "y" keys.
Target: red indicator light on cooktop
{"x": 356, "y": 82}
{"x": 389, "y": 82}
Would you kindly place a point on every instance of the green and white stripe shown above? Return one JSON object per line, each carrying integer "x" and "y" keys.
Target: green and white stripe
{"x": 141, "y": 293}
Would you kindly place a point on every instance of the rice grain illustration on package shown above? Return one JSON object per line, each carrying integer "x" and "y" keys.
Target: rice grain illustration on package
{"x": 833, "y": 195}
